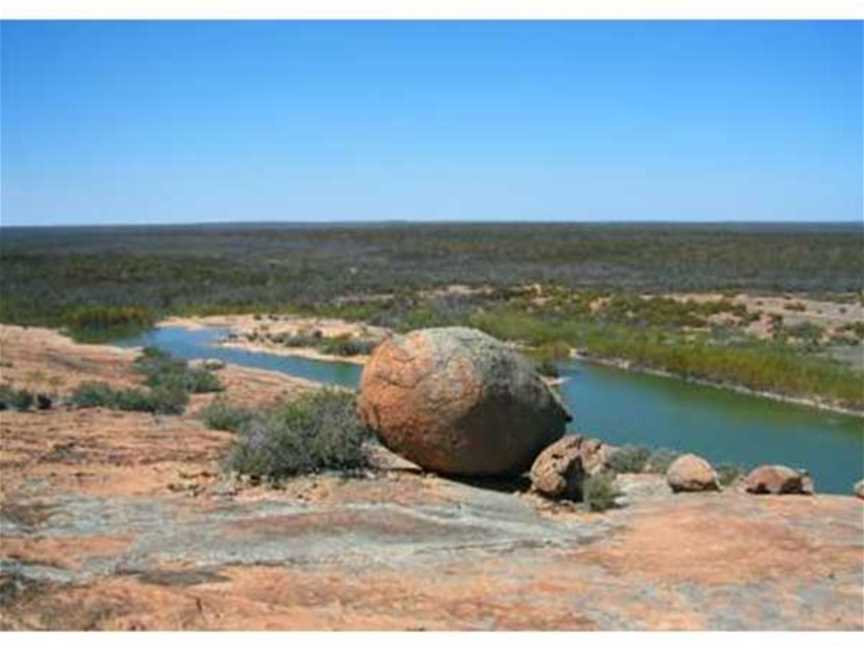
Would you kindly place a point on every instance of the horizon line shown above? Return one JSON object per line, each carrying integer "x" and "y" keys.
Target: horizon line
{"x": 398, "y": 221}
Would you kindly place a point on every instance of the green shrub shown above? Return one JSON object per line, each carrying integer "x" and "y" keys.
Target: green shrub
{"x": 728, "y": 473}
{"x": 160, "y": 400}
{"x": 220, "y": 415}
{"x": 629, "y": 459}
{"x": 298, "y": 340}
{"x": 19, "y": 399}
{"x": 93, "y": 394}
{"x": 169, "y": 401}
{"x": 856, "y": 328}
{"x": 660, "y": 460}
{"x": 599, "y": 491}
{"x": 347, "y": 346}
{"x": 557, "y": 350}
{"x": 170, "y": 381}
{"x": 156, "y": 363}
{"x": 318, "y": 431}
{"x": 202, "y": 381}
{"x": 163, "y": 399}
{"x": 807, "y": 331}
{"x": 163, "y": 370}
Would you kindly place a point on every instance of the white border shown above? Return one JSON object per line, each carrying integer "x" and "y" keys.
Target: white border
{"x": 430, "y": 9}
{"x": 435, "y": 9}
{"x": 435, "y": 639}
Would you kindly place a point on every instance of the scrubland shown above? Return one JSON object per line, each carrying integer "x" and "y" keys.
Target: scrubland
{"x": 773, "y": 308}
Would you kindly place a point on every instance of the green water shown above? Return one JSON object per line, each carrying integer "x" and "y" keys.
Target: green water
{"x": 623, "y": 407}
{"x": 723, "y": 426}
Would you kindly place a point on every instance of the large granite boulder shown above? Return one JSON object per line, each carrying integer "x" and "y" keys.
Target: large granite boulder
{"x": 691, "y": 473}
{"x": 457, "y": 401}
{"x": 778, "y": 480}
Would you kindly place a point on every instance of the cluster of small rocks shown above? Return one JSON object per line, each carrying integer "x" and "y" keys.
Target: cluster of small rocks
{"x": 691, "y": 473}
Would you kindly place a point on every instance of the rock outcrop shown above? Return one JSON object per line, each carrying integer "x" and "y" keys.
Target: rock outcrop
{"x": 558, "y": 471}
{"x": 457, "y": 401}
{"x": 691, "y": 473}
{"x": 778, "y": 480}
{"x": 859, "y": 489}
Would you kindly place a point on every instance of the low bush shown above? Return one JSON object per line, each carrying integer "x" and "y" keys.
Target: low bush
{"x": 160, "y": 400}
{"x": 629, "y": 459}
{"x": 659, "y": 461}
{"x": 347, "y": 346}
{"x": 220, "y": 415}
{"x": 170, "y": 381}
{"x": 201, "y": 381}
{"x": 808, "y": 332}
{"x": 599, "y": 491}
{"x": 856, "y": 328}
{"x": 164, "y": 370}
{"x": 728, "y": 473}
{"x": 319, "y": 431}
{"x": 298, "y": 340}
{"x": 93, "y": 394}
{"x": 164, "y": 399}
{"x": 19, "y": 399}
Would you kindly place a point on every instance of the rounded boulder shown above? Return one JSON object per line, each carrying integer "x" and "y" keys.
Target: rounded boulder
{"x": 691, "y": 473}
{"x": 457, "y": 401}
{"x": 778, "y": 480}
{"x": 558, "y": 471}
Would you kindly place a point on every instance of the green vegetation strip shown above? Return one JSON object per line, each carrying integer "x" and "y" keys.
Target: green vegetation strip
{"x": 169, "y": 381}
{"x": 760, "y": 366}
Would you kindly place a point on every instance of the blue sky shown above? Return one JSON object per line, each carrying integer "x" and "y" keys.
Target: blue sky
{"x": 145, "y": 122}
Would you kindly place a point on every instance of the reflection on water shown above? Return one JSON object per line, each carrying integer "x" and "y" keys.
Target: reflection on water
{"x": 622, "y": 407}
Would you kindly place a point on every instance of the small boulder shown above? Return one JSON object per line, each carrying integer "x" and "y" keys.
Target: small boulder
{"x": 859, "y": 489}
{"x": 558, "y": 471}
{"x": 778, "y": 480}
{"x": 691, "y": 473}
{"x": 43, "y": 402}
{"x": 457, "y": 401}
